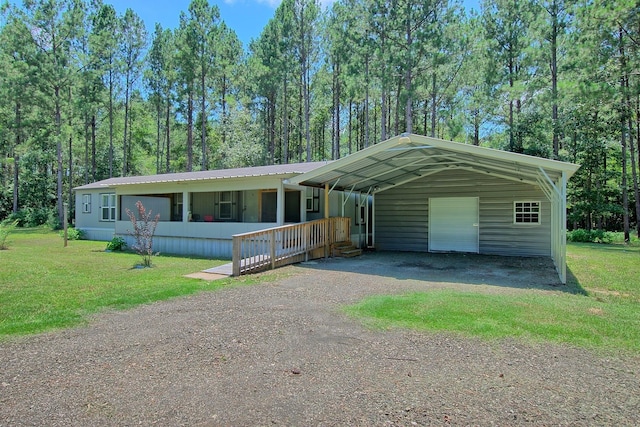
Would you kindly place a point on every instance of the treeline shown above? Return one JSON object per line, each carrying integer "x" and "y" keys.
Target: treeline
{"x": 87, "y": 94}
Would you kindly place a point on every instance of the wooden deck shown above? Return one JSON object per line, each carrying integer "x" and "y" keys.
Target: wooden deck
{"x": 288, "y": 244}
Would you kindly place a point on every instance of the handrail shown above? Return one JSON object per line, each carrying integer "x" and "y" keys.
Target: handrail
{"x": 288, "y": 244}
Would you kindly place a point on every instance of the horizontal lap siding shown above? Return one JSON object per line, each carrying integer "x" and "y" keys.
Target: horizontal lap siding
{"x": 402, "y": 214}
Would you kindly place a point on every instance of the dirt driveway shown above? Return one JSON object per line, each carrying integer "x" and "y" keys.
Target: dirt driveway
{"x": 282, "y": 353}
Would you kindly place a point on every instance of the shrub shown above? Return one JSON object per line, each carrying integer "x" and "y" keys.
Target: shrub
{"x": 116, "y": 244}
{"x": 6, "y": 227}
{"x": 143, "y": 230}
{"x": 581, "y": 235}
{"x": 72, "y": 234}
{"x": 53, "y": 222}
{"x": 34, "y": 217}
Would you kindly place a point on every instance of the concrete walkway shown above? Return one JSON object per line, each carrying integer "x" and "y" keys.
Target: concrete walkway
{"x": 215, "y": 273}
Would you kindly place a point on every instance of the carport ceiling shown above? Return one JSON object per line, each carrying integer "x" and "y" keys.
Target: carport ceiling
{"x": 408, "y": 157}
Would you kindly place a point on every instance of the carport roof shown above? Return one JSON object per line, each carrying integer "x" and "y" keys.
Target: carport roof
{"x": 407, "y": 157}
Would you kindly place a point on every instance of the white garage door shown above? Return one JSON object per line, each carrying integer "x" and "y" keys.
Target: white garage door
{"x": 453, "y": 224}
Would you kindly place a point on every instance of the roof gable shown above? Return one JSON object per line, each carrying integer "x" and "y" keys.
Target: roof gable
{"x": 407, "y": 157}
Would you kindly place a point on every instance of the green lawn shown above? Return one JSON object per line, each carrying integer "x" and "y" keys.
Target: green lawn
{"x": 607, "y": 317}
{"x": 44, "y": 285}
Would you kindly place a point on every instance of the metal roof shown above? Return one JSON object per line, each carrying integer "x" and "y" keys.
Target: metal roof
{"x": 407, "y": 157}
{"x": 286, "y": 170}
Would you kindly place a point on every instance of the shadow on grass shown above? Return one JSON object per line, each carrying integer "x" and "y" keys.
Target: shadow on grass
{"x": 573, "y": 284}
{"x": 467, "y": 269}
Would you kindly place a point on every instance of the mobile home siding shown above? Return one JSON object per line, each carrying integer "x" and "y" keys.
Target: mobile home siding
{"x": 401, "y": 217}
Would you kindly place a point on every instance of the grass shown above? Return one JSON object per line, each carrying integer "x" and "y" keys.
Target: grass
{"x": 45, "y": 286}
{"x": 606, "y": 315}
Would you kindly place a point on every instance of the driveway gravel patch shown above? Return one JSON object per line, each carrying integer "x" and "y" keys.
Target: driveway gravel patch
{"x": 284, "y": 353}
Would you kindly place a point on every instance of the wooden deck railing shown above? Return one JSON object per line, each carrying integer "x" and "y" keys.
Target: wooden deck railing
{"x": 274, "y": 247}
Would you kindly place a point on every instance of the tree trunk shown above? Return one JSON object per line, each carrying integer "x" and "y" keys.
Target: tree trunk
{"x": 224, "y": 110}
{"x": 16, "y": 183}
{"x": 623, "y": 138}
{"x": 350, "y": 126}
{"x": 366, "y": 102}
{"x": 167, "y": 129}
{"x": 87, "y": 137}
{"x": 434, "y": 98}
{"x": 285, "y": 125}
{"x": 409, "y": 103}
{"x": 16, "y": 174}
{"x": 335, "y": 150}
{"x": 396, "y": 125}
{"x": 190, "y": 131}
{"x": 638, "y": 159}
{"x": 203, "y": 122}
{"x": 158, "y": 134}
{"x": 94, "y": 166}
{"x": 383, "y": 115}
{"x": 512, "y": 144}
{"x": 125, "y": 147}
{"x": 272, "y": 127}
{"x": 58, "y": 121}
{"x": 554, "y": 79}
{"x": 110, "y": 124}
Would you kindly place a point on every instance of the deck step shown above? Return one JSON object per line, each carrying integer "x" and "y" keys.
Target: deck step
{"x": 345, "y": 249}
{"x": 351, "y": 253}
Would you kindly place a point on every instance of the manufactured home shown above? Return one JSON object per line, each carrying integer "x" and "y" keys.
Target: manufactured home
{"x": 408, "y": 193}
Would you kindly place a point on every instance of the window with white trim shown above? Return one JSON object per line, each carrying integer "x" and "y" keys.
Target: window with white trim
{"x": 108, "y": 207}
{"x": 86, "y": 203}
{"x": 225, "y": 205}
{"x": 313, "y": 199}
{"x": 526, "y": 212}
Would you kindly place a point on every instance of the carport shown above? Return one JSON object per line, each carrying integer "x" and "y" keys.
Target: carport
{"x": 433, "y": 195}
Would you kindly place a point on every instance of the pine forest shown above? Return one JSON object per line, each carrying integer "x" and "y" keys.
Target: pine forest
{"x": 87, "y": 93}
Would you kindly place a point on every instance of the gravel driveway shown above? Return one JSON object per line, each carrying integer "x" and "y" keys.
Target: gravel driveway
{"x": 282, "y": 353}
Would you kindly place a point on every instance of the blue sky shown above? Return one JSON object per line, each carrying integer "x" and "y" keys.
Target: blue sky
{"x": 246, "y": 17}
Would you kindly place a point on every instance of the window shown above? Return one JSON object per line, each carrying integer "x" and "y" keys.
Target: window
{"x": 313, "y": 199}
{"x": 226, "y": 205}
{"x": 177, "y": 201}
{"x": 526, "y": 213}
{"x": 86, "y": 203}
{"x": 108, "y": 207}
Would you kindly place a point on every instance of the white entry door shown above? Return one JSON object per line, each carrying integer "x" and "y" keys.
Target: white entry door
{"x": 453, "y": 224}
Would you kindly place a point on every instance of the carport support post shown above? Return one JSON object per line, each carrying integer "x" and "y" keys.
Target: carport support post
{"x": 327, "y": 228}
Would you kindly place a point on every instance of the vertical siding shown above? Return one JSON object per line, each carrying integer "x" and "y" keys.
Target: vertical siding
{"x": 402, "y": 214}
{"x": 207, "y": 248}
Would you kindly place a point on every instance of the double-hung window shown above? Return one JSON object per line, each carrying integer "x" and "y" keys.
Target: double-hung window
{"x": 526, "y": 212}
{"x": 226, "y": 205}
{"x": 86, "y": 203}
{"x": 108, "y": 207}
